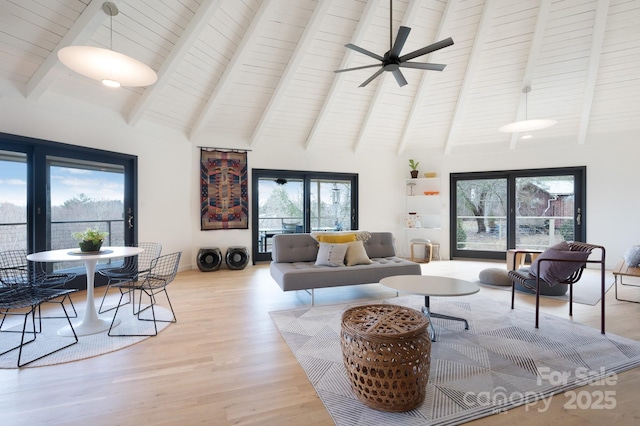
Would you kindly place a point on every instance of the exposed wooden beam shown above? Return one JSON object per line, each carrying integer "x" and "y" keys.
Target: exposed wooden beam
{"x": 310, "y": 31}
{"x": 532, "y": 61}
{"x": 407, "y": 20}
{"x": 197, "y": 24}
{"x": 257, "y": 23}
{"x": 330, "y": 101}
{"x": 447, "y": 16}
{"x": 599, "y": 26}
{"x": 86, "y": 25}
{"x": 481, "y": 34}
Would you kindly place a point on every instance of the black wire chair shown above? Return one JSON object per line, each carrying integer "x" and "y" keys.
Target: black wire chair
{"x": 16, "y": 271}
{"x": 133, "y": 266}
{"x": 25, "y": 301}
{"x": 162, "y": 272}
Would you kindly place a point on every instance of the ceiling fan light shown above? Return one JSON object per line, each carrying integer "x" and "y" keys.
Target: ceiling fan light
{"x": 527, "y": 125}
{"x": 104, "y": 64}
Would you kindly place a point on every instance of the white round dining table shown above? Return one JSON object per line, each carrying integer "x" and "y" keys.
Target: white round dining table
{"x": 90, "y": 323}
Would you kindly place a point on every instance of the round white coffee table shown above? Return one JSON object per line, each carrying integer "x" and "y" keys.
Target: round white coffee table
{"x": 429, "y": 285}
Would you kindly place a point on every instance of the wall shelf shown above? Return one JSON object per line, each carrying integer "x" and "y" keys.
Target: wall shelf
{"x": 427, "y": 220}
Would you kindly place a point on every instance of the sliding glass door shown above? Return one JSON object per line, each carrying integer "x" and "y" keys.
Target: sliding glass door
{"x": 49, "y": 190}
{"x": 298, "y": 201}
{"x": 13, "y": 201}
{"x": 81, "y": 195}
{"x": 529, "y": 209}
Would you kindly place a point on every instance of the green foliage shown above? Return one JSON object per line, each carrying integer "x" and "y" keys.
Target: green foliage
{"x": 461, "y": 235}
{"x": 413, "y": 164}
{"x": 566, "y": 230}
{"x": 93, "y": 235}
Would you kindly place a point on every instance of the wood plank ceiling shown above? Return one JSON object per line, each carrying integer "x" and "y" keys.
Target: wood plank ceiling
{"x": 261, "y": 72}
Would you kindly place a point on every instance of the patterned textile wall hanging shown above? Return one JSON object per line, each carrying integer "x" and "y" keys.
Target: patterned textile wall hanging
{"x": 224, "y": 203}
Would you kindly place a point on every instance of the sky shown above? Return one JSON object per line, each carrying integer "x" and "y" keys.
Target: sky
{"x": 66, "y": 183}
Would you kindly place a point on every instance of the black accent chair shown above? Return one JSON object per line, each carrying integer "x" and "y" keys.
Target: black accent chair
{"x": 25, "y": 301}
{"x": 16, "y": 271}
{"x": 525, "y": 278}
{"x": 132, "y": 268}
{"x": 162, "y": 272}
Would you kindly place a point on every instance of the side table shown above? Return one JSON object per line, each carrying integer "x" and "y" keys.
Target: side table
{"x": 516, "y": 258}
{"x": 387, "y": 353}
{"x": 623, "y": 270}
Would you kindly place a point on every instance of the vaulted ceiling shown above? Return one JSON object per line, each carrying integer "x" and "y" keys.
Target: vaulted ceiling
{"x": 262, "y": 71}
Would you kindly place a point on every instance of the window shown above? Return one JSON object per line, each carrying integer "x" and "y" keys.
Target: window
{"x": 13, "y": 201}
{"x": 54, "y": 189}
{"x": 530, "y": 209}
{"x": 296, "y": 201}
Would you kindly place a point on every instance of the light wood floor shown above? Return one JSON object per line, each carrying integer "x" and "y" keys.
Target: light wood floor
{"x": 225, "y": 363}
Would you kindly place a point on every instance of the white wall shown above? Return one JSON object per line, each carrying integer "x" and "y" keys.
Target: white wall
{"x": 378, "y": 197}
{"x": 611, "y": 164}
{"x": 164, "y": 166}
{"x": 169, "y": 172}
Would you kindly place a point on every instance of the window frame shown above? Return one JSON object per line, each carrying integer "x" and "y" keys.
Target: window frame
{"x": 307, "y": 177}
{"x": 38, "y": 151}
{"x": 580, "y": 192}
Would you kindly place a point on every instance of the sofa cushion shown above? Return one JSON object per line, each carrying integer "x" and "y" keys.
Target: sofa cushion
{"x": 380, "y": 244}
{"x": 356, "y": 254}
{"x": 331, "y": 254}
{"x": 294, "y": 248}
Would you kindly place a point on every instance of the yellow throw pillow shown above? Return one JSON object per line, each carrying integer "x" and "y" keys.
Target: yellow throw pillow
{"x": 336, "y": 238}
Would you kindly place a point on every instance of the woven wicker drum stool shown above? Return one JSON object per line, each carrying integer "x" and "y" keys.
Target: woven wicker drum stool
{"x": 387, "y": 353}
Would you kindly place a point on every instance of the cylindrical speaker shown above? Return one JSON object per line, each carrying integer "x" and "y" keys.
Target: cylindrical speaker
{"x": 237, "y": 257}
{"x": 209, "y": 259}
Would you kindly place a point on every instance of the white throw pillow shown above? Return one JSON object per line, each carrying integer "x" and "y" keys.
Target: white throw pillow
{"x": 331, "y": 254}
{"x": 357, "y": 254}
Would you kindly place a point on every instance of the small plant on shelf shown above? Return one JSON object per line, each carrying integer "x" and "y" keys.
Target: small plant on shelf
{"x": 414, "y": 168}
{"x": 90, "y": 239}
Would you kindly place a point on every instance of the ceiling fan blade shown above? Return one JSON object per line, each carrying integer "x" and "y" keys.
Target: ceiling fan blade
{"x": 399, "y": 77}
{"x": 428, "y": 49}
{"x": 422, "y": 66}
{"x": 373, "y": 77}
{"x": 363, "y": 51}
{"x": 401, "y": 38}
{"x": 357, "y": 68}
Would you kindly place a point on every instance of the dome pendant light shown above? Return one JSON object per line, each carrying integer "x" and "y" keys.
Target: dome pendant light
{"x": 111, "y": 68}
{"x": 527, "y": 125}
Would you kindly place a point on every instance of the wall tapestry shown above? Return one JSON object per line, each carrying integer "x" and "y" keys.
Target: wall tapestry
{"x": 224, "y": 203}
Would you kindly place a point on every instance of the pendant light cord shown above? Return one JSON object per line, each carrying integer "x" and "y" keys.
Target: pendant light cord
{"x": 111, "y": 32}
{"x": 390, "y": 25}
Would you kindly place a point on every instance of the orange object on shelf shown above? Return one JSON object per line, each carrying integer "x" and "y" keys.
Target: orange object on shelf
{"x": 431, "y": 192}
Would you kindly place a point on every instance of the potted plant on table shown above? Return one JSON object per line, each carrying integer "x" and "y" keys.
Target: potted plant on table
{"x": 90, "y": 240}
{"x": 414, "y": 168}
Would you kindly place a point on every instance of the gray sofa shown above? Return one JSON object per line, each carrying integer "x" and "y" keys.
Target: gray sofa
{"x": 294, "y": 255}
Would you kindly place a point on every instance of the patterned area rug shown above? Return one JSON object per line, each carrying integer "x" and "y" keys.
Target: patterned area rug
{"x": 87, "y": 346}
{"x": 501, "y": 362}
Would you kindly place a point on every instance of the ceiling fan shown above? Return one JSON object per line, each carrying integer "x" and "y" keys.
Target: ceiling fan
{"x": 392, "y": 61}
